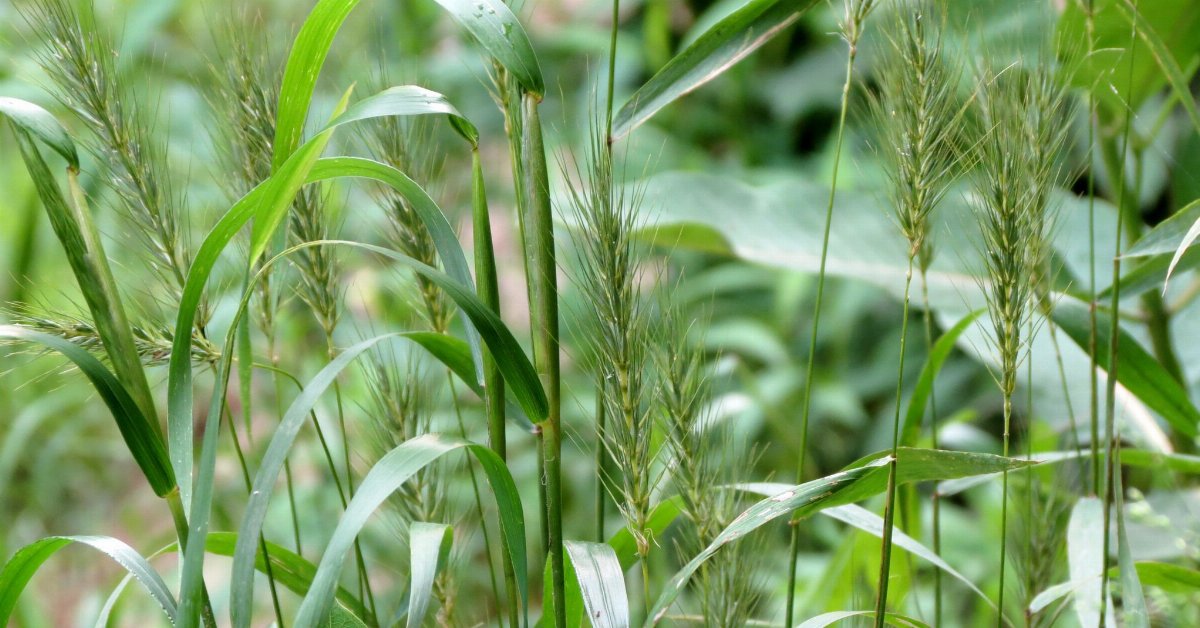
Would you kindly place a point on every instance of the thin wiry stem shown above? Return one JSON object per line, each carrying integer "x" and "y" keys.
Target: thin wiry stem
{"x": 856, "y": 14}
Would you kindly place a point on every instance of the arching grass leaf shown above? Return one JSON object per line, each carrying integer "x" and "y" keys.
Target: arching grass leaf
{"x": 494, "y": 26}
{"x": 920, "y": 396}
{"x": 391, "y": 472}
{"x": 41, "y": 124}
{"x": 25, "y": 563}
{"x": 891, "y": 619}
{"x": 717, "y": 50}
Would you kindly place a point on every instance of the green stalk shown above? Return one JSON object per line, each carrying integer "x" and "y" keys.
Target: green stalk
{"x": 493, "y": 384}
{"x": 933, "y": 434}
{"x": 1092, "y": 321}
{"x": 812, "y": 343}
{"x": 179, "y": 518}
{"x": 1114, "y": 331}
{"x": 889, "y": 509}
{"x": 1004, "y": 500}
{"x": 546, "y": 353}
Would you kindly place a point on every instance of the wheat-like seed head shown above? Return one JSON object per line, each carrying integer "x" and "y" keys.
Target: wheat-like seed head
{"x": 918, "y": 120}
{"x": 1022, "y": 114}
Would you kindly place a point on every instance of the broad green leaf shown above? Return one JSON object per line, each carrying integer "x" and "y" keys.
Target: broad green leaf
{"x": 147, "y": 448}
{"x": 601, "y": 581}
{"x": 1164, "y": 58}
{"x": 1085, "y": 533}
{"x": 494, "y": 26}
{"x": 304, "y": 63}
{"x": 41, "y": 124}
{"x": 1168, "y": 577}
{"x": 920, "y": 396}
{"x": 1138, "y": 371}
{"x": 410, "y": 100}
{"x": 25, "y": 563}
{"x": 717, "y": 50}
{"x": 891, "y": 619}
{"x": 391, "y": 472}
{"x": 429, "y": 546}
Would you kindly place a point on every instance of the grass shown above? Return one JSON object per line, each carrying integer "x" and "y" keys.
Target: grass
{"x": 600, "y": 367}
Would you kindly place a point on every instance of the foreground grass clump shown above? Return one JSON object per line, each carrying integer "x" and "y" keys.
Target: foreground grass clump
{"x": 257, "y": 262}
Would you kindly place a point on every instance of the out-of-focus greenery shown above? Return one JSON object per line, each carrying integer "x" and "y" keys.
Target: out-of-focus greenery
{"x": 736, "y": 174}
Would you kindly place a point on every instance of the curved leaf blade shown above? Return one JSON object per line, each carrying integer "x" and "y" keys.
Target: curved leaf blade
{"x": 409, "y": 100}
{"x": 494, "y": 26}
{"x": 24, "y": 564}
{"x": 391, "y": 472}
{"x": 717, "y": 50}
{"x": 937, "y": 357}
{"x": 892, "y": 619}
{"x": 42, "y": 124}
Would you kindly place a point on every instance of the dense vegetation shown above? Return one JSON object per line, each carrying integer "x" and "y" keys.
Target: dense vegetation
{"x": 719, "y": 313}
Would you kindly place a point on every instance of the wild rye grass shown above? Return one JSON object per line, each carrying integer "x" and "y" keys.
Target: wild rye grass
{"x": 673, "y": 459}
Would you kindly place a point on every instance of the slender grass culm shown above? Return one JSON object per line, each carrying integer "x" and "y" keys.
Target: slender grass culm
{"x": 852, "y": 24}
{"x": 916, "y": 118}
{"x": 1022, "y": 114}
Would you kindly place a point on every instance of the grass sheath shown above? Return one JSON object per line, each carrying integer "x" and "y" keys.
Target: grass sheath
{"x": 852, "y": 26}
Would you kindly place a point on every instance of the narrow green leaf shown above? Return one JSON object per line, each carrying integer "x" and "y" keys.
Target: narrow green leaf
{"x": 1168, "y": 577}
{"x": 1133, "y": 599}
{"x": 1166, "y": 237}
{"x": 1166, "y": 61}
{"x": 409, "y": 100}
{"x": 41, "y": 124}
{"x": 147, "y": 448}
{"x": 937, "y": 357}
{"x": 25, "y": 563}
{"x": 601, "y": 581}
{"x": 1188, "y": 239}
{"x": 494, "y": 26}
{"x": 391, "y": 472}
{"x": 1085, "y": 533}
{"x": 304, "y": 63}
{"x": 872, "y": 524}
{"x": 891, "y": 619}
{"x": 242, "y": 576}
{"x": 1139, "y": 372}
{"x": 717, "y": 50}
{"x": 429, "y": 545}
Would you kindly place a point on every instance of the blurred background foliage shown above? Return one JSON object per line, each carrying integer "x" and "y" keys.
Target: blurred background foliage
{"x": 735, "y": 174}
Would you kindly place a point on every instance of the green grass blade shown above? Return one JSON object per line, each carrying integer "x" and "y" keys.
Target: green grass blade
{"x": 449, "y": 250}
{"x": 304, "y": 63}
{"x": 1084, "y": 564}
{"x": 41, "y": 124}
{"x": 1140, "y": 372}
{"x": 1168, "y": 577}
{"x": 1133, "y": 599}
{"x": 1188, "y": 240}
{"x": 147, "y": 448}
{"x": 410, "y": 100}
{"x": 430, "y": 546}
{"x": 1167, "y": 236}
{"x": 862, "y": 479}
{"x": 25, "y": 563}
{"x": 601, "y": 581}
{"x": 73, "y": 226}
{"x": 718, "y": 49}
{"x": 242, "y": 577}
{"x": 500, "y": 33}
{"x": 385, "y": 477}
{"x": 920, "y": 396}
{"x": 1166, "y": 61}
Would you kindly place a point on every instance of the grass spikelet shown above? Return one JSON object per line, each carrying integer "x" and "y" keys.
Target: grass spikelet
{"x": 1022, "y": 114}
{"x": 80, "y": 64}
{"x": 620, "y": 326}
